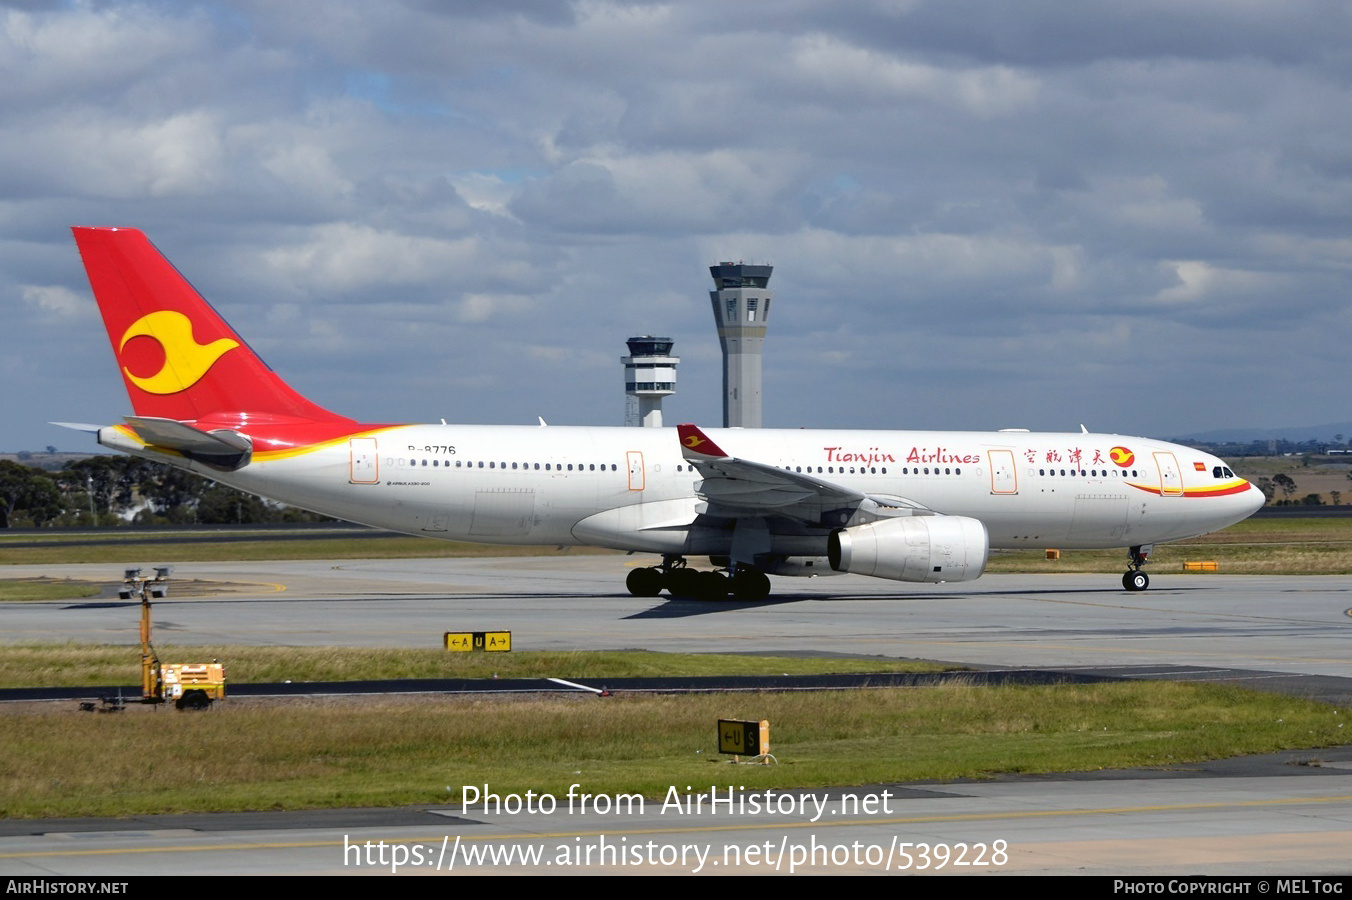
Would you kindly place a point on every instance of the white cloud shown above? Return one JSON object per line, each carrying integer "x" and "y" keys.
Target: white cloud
{"x": 84, "y": 49}
{"x": 309, "y": 168}
{"x": 92, "y": 154}
{"x": 482, "y": 307}
{"x": 485, "y": 191}
{"x": 56, "y": 301}
{"x": 1196, "y": 280}
{"x": 845, "y": 70}
{"x": 345, "y": 257}
{"x": 967, "y": 205}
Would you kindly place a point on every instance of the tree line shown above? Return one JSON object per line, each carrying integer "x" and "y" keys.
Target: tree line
{"x": 112, "y": 491}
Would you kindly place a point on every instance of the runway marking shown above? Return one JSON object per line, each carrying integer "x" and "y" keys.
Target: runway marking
{"x": 761, "y": 826}
{"x": 972, "y": 642}
{"x": 1081, "y": 647}
{"x": 1209, "y": 613}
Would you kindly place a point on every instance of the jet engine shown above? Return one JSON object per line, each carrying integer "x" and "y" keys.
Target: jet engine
{"x": 913, "y": 548}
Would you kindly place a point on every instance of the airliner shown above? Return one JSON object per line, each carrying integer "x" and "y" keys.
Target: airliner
{"x": 910, "y": 506}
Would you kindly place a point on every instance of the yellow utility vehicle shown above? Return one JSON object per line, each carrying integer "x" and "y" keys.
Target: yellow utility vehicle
{"x": 188, "y": 685}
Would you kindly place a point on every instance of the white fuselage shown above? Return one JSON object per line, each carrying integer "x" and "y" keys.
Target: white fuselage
{"x": 630, "y": 488}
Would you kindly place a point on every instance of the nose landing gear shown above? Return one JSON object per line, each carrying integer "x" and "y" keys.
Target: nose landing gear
{"x": 1135, "y": 579}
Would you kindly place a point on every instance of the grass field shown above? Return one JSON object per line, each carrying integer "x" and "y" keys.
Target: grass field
{"x": 103, "y": 665}
{"x": 115, "y": 548}
{"x": 327, "y": 753}
{"x": 46, "y": 589}
{"x": 1273, "y": 546}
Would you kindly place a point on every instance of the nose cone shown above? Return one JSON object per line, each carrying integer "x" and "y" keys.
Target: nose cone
{"x": 1250, "y": 501}
{"x": 1244, "y": 503}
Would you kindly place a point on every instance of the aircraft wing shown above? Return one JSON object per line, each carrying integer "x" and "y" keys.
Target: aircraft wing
{"x": 742, "y": 487}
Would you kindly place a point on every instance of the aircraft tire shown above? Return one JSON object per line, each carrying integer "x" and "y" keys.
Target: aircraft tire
{"x": 1136, "y": 581}
{"x": 750, "y": 584}
{"x": 713, "y": 586}
{"x": 683, "y": 583}
{"x": 644, "y": 582}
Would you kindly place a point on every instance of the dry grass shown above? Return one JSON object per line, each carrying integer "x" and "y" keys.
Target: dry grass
{"x": 1253, "y": 547}
{"x": 244, "y": 755}
{"x": 113, "y": 547}
{"x": 1315, "y": 546}
{"x": 103, "y": 665}
{"x": 46, "y": 589}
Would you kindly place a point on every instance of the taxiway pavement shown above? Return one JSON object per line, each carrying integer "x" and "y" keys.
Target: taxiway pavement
{"x": 1288, "y": 632}
{"x": 1280, "y": 624}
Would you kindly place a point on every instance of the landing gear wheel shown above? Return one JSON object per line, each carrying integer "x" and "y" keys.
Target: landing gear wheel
{"x": 1137, "y": 557}
{"x": 1135, "y": 581}
{"x": 644, "y": 582}
{"x": 683, "y": 583}
{"x": 713, "y": 586}
{"x": 750, "y": 584}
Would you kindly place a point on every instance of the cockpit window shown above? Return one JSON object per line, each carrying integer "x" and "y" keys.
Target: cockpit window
{"x": 1222, "y": 472}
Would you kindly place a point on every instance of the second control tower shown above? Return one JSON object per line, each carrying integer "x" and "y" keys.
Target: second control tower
{"x": 741, "y": 300}
{"x": 649, "y": 376}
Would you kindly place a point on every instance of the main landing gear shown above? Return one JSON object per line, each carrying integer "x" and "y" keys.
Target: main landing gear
{"x": 679, "y": 580}
{"x": 1135, "y": 579}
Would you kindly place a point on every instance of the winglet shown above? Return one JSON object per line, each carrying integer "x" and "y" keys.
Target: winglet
{"x": 696, "y": 445}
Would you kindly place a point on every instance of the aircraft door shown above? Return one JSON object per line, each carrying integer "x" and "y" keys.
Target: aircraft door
{"x": 1171, "y": 478}
{"x": 637, "y": 478}
{"x": 1004, "y": 478}
{"x": 364, "y": 465}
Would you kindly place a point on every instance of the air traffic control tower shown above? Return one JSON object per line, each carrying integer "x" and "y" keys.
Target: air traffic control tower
{"x": 649, "y": 375}
{"x": 741, "y": 299}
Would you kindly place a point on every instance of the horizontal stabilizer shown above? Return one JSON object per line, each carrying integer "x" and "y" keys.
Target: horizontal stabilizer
{"x": 78, "y": 426}
{"x": 220, "y": 449}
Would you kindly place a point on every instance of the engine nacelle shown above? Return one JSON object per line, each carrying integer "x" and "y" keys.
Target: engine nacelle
{"x": 913, "y": 548}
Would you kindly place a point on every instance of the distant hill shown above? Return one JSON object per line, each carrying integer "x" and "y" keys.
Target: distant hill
{"x": 42, "y": 459}
{"x": 1296, "y": 434}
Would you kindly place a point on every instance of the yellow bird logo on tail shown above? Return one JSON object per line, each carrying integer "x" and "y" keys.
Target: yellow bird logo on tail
{"x": 185, "y": 360}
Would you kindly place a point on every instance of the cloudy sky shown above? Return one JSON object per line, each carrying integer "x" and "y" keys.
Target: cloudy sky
{"x": 981, "y": 214}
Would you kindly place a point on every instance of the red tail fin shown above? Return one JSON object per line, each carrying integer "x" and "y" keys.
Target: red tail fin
{"x": 178, "y": 357}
